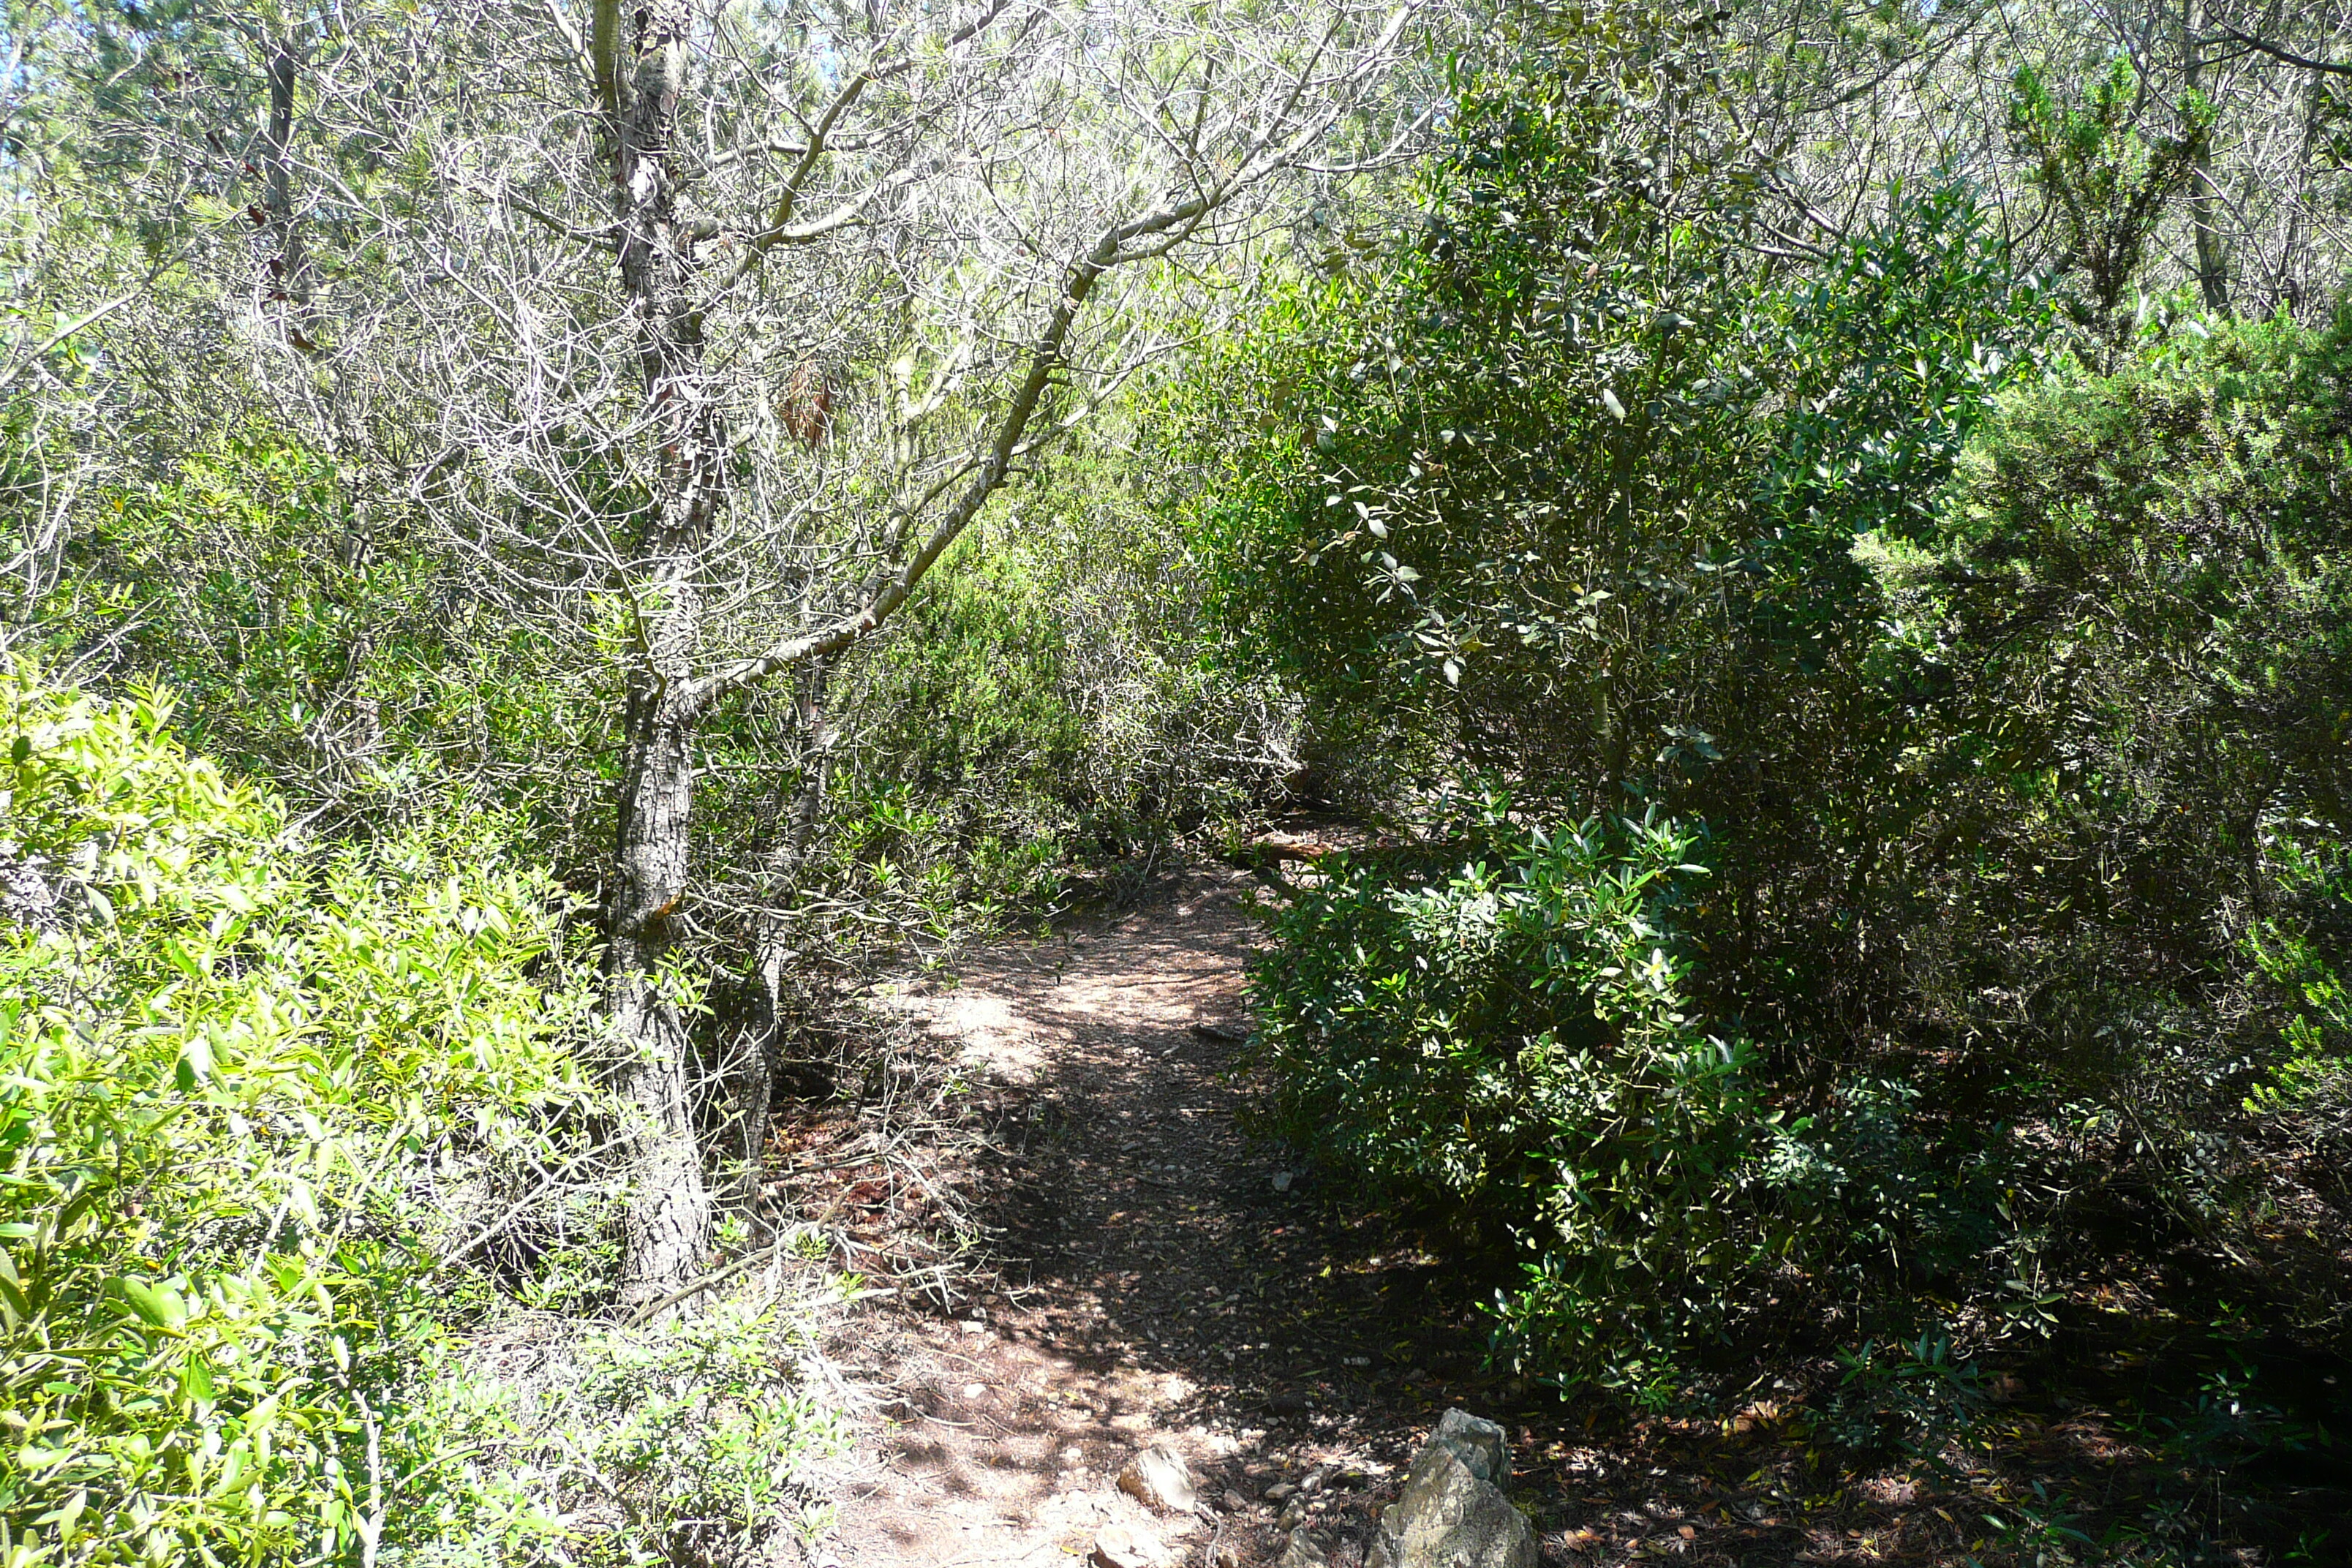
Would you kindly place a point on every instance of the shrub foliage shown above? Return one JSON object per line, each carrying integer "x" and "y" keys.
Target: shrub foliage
{"x": 251, "y": 1090}
{"x": 1991, "y": 663}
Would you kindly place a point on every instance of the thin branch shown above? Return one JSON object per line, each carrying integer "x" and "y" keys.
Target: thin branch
{"x": 757, "y": 245}
{"x": 79, "y": 323}
{"x": 2307, "y": 62}
{"x": 605, "y": 239}
{"x": 605, "y": 52}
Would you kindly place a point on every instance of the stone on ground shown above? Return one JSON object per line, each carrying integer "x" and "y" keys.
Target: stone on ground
{"x": 1477, "y": 1443}
{"x": 1124, "y": 1546}
{"x": 1302, "y": 1550}
{"x": 1450, "y": 1514}
{"x": 1159, "y": 1479}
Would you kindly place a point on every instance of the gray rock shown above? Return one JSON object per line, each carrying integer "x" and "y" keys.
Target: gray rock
{"x": 1451, "y": 1517}
{"x": 1159, "y": 1479}
{"x": 1478, "y": 1443}
{"x": 1123, "y": 1546}
{"x": 1302, "y": 1550}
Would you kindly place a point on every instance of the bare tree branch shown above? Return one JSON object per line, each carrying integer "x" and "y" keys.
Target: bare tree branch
{"x": 2277, "y": 52}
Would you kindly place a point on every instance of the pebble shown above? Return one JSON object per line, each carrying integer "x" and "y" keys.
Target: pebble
{"x": 974, "y": 1390}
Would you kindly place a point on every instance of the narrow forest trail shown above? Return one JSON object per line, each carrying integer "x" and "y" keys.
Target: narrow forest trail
{"x": 1146, "y": 1283}
{"x": 1154, "y": 1274}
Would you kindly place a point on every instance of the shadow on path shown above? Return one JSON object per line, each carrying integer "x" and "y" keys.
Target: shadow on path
{"x": 1156, "y": 1276}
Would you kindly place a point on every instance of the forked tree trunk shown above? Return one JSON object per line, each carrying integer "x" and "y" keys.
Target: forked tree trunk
{"x": 667, "y": 1225}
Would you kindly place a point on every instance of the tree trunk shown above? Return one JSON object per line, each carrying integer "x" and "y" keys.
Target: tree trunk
{"x": 756, "y": 1058}
{"x": 2213, "y": 280}
{"x": 774, "y": 950}
{"x": 670, "y": 1209}
{"x": 287, "y": 283}
{"x": 667, "y": 1225}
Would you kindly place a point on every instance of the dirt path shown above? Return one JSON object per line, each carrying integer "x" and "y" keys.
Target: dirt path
{"x": 1142, "y": 1292}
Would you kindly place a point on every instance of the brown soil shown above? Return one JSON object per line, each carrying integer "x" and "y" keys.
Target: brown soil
{"x": 1152, "y": 1273}
{"x": 1142, "y": 1284}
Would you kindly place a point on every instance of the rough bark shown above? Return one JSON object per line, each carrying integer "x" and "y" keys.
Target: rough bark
{"x": 669, "y": 1211}
{"x": 667, "y": 1224}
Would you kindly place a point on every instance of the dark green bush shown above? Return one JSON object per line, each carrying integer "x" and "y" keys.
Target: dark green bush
{"x": 2008, "y": 691}
{"x": 2132, "y": 785}
{"x": 1507, "y": 1032}
{"x": 1511, "y": 1034}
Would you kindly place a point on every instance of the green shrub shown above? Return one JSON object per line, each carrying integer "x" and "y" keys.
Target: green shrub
{"x": 2298, "y": 949}
{"x": 2129, "y": 796}
{"x": 248, "y": 1089}
{"x": 709, "y": 1427}
{"x": 1511, "y": 1035}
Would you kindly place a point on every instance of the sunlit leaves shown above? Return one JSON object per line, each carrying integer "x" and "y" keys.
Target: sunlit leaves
{"x": 233, "y": 1072}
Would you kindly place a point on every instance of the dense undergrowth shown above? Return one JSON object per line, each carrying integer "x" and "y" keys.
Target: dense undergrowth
{"x": 279, "y": 1118}
{"x": 1906, "y": 915}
